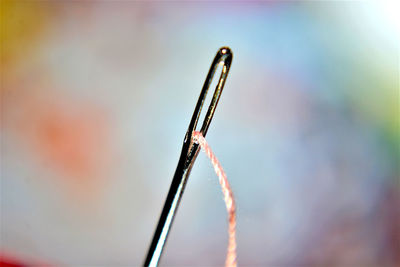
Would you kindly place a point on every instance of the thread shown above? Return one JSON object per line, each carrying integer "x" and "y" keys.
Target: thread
{"x": 228, "y": 198}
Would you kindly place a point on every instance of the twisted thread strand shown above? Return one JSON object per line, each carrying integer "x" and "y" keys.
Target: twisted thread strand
{"x": 228, "y": 198}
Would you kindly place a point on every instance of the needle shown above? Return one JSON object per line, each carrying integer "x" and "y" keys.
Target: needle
{"x": 188, "y": 155}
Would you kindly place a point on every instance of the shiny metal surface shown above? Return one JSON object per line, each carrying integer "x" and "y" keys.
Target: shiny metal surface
{"x": 188, "y": 155}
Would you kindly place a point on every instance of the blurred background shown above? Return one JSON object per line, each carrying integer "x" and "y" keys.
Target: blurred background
{"x": 97, "y": 96}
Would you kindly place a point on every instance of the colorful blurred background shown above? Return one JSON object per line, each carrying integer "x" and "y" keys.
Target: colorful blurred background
{"x": 97, "y": 96}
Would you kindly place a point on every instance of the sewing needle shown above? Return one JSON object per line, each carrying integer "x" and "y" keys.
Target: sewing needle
{"x": 188, "y": 155}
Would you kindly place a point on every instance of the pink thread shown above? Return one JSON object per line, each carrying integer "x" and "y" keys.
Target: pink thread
{"x": 228, "y": 197}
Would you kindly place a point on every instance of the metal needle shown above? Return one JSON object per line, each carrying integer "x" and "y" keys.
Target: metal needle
{"x": 188, "y": 155}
